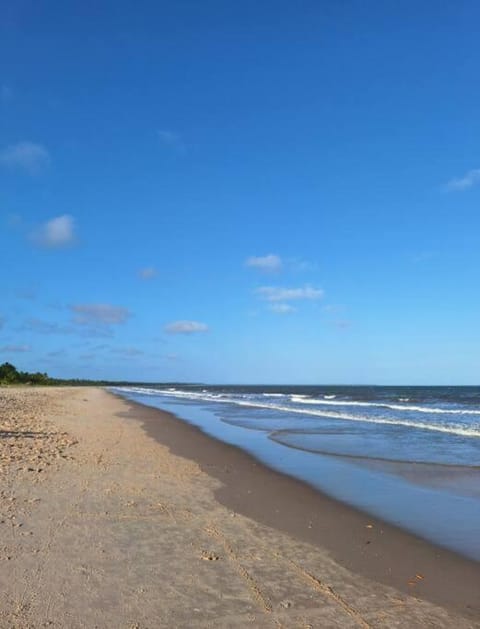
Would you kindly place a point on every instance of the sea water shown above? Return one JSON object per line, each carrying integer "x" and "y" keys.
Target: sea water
{"x": 410, "y": 455}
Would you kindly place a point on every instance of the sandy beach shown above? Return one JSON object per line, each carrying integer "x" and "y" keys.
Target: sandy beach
{"x": 117, "y": 515}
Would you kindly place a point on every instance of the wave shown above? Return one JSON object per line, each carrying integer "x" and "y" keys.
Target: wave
{"x": 303, "y": 399}
{"x": 452, "y": 429}
{"x": 455, "y": 429}
{"x": 138, "y": 390}
{"x": 281, "y": 436}
{"x": 273, "y": 394}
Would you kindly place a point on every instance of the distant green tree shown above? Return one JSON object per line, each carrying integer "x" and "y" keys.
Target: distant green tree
{"x": 8, "y": 374}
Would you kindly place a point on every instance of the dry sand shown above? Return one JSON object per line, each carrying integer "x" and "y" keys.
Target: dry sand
{"x": 103, "y": 526}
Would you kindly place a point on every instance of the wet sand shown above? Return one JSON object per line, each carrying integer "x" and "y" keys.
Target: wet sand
{"x": 137, "y": 519}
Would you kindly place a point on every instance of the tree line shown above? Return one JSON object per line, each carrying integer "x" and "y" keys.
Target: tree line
{"x": 9, "y": 374}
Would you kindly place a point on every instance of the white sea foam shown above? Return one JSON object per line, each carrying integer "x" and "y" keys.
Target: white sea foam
{"x": 455, "y": 429}
{"x": 452, "y": 429}
{"x": 301, "y": 399}
{"x": 140, "y": 390}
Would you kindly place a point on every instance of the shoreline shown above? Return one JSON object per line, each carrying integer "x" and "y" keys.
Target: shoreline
{"x": 359, "y": 542}
{"x": 103, "y": 525}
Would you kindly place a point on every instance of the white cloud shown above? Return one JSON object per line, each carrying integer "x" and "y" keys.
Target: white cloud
{"x": 269, "y": 263}
{"x": 186, "y": 327}
{"x": 33, "y": 158}
{"x": 148, "y": 273}
{"x": 99, "y": 314}
{"x": 57, "y": 233}
{"x": 470, "y": 179}
{"x": 171, "y": 140}
{"x": 280, "y": 308}
{"x": 273, "y": 293}
{"x": 15, "y": 349}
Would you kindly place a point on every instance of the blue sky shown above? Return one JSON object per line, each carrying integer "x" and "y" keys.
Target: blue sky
{"x": 276, "y": 192}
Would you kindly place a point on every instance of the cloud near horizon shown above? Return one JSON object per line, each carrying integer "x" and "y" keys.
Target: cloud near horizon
{"x": 269, "y": 263}
{"x": 57, "y": 233}
{"x": 186, "y": 327}
{"x": 28, "y": 156}
{"x": 274, "y": 293}
{"x": 470, "y": 179}
{"x": 15, "y": 349}
{"x": 99, "y": 314}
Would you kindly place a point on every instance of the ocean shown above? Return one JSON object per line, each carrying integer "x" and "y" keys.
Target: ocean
{"x": 409, "y": 455}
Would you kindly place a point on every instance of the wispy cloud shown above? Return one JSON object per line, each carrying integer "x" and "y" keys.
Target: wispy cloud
{"x": 99, "y": 314}
{"x": 273, "y": 263}
{"x": 269, "y": 263}
{"x": 470, "y": 179}
{"x": 44, "y": 327}
{"x": 57, "y": 233}
{"x": 274, "y": 293}
{"x": 280, "y": 308}
{"x": 40, "y": 326}
{"x": 171, "y": 140}
{"x": 15, "y": 349}
{"x": 28, "y": 156}
{"x": 148, "y": 273}
{"x": 185, "y": 327}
